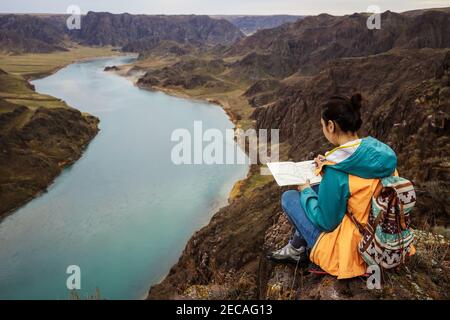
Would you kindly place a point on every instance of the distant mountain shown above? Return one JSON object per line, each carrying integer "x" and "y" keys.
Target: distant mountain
{"x": 142, "y": 32}
{"x": 27, "y": 33}
{"x": 251, "y": 24}
{"x": 307, "y": 44}
{"x": 137, "y": 33}
{"x": 421, "y": 11}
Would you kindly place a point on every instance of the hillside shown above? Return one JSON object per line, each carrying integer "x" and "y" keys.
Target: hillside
{"x": 307, "y": 44}
{"x": 39, "y": 136}
{"x": 278, "y": 78}
{"x": 31, "y": 34}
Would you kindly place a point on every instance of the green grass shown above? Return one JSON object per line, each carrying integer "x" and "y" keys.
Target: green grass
{"x": 255, "y": 181}
{"x": 14, "y": 89}
{"x": 12, "y": 84}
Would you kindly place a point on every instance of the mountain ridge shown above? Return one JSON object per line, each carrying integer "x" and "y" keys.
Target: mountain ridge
{"x": 312, "y": 41}
{"x": 47, "y": 33}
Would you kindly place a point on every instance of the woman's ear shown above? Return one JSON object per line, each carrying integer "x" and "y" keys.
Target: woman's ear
{"x": 331, "y": 127}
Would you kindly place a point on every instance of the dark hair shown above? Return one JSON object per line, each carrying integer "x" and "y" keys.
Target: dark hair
{"x": 344, "y": 111}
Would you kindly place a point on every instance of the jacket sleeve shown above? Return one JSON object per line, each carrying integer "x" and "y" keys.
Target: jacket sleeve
{"x": 327, "y": 209}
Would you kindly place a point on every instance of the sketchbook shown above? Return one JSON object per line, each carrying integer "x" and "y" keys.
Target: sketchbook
{"x": 294, "y": 173}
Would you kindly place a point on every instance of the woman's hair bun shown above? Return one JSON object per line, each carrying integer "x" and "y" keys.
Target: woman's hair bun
{"x": 356, "y": 101}
{"x": 344, "y": 111}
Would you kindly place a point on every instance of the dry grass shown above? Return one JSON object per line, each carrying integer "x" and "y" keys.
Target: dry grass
{"x": 15, "y": 90}
{"x": 38, "y": 64}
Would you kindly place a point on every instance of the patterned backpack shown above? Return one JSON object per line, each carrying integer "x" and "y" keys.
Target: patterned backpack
{"x": 387, "y": 237}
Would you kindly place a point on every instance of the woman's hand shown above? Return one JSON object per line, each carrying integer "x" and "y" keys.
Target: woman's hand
{"x": 318, "y": 160}
{"x": 304, "y": 186}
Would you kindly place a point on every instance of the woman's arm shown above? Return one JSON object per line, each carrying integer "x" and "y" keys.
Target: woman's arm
{"x": 327, "y": 209}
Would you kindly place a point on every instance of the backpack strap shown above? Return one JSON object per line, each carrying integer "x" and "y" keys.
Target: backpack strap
{"x": 361, "y": 228}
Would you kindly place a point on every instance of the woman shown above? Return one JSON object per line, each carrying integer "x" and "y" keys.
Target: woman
{"x": 350, "y": 174}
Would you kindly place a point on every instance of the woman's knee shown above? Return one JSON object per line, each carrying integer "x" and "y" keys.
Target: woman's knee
{"x": 288, "y": 198}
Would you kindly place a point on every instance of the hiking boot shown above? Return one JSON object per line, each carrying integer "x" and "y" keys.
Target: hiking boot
{"x": 289, "y": 254}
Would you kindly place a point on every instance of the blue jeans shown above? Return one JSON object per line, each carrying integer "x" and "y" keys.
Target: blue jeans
{"x": 305, "y": 230}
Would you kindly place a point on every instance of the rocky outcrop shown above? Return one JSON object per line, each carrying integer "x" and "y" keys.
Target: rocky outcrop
{"x": 167, "y": 48}
{"x": 262, "y": 92}
{"x": 187, "y": 74}
{"x": 111, "y": 68}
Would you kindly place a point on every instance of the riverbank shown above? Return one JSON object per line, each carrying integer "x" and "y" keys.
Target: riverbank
{"x": 41, "y": 135}
{"x": 32, "y": 66}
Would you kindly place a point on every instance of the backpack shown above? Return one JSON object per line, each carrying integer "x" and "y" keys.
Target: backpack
{"x": 387, "y": 237}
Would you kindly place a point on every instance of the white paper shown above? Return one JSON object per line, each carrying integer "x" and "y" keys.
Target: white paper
{"x": 294, "y": 173}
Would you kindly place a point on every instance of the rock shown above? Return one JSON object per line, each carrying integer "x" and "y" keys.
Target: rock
{"x": 148, "y": 80}
{"x": 111, "y": 68}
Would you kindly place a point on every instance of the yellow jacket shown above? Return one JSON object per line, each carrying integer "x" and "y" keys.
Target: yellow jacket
{"x": 349, "y": 179}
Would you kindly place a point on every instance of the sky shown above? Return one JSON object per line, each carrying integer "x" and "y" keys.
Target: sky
{"x": 244, "y": 7}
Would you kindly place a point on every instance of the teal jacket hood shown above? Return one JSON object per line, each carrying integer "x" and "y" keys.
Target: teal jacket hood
{"x": 367, "y": 158}
{"x": 372, "y": 159}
